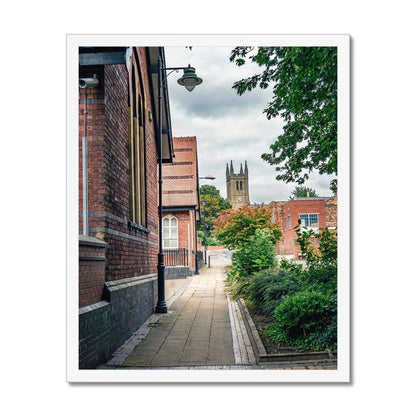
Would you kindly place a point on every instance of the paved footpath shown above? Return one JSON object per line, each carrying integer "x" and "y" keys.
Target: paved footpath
{"x": 196, "y": 331}
{"x": 202, "y": 329}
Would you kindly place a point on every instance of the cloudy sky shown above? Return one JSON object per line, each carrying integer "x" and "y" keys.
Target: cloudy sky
{"x": 227, "y": 126}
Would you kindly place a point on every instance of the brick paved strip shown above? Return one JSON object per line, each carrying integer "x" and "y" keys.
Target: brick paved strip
{"x": 243, "y": 351}
{"x": 303, "y": 366}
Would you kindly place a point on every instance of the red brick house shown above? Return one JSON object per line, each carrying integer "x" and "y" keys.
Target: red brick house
{"x": 118, "y": 194}
{"x": 314, "y": 213}
{"x": 181, "y": 209}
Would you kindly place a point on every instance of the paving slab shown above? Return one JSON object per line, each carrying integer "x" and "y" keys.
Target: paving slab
{"x": 196, "y": 331}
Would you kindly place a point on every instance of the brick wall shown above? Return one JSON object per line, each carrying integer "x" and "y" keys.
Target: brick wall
{"x": 185, "y": 240}
{"x": 294, "y": 208}
{"x": 116, "y": 295}
{"x": 94, "y": 334}
{"x": 331, "y": 211}
{"x": 91, "y": 270}
{"x": 95, "y": 122}
{"x": 132, "y": 250}
{"x": 132, "y": 302}
{"x": 277, "y": 218}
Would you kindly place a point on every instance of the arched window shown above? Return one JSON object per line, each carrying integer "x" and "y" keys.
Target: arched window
{"x": 136, "y": 145}
{"x": 170, "y": 232}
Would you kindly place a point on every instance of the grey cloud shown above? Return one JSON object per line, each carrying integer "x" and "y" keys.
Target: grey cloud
{"x": 228, "y": 127}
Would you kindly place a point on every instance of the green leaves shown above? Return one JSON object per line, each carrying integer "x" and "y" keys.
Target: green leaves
{"x": 302, "y": 191}
{"x": 258, "y": 253}
{"x": 237, "y": 227}
{"x": 214, "y": 206}
{"x": 307, "y": 319}
{"x": 304, "y": 83}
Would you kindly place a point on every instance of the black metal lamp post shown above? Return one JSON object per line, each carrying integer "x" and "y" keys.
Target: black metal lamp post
{"x": 189, "y": 80}
{"x": 205, "y": 230}
{"x": 203, "y": 203}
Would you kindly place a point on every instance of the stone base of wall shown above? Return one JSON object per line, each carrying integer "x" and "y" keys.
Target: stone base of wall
{"x": 94, "y": 334}
{"x": 177, "y": 272}
{"x": 132, "y": 302}
{"x": 105, "y": 325}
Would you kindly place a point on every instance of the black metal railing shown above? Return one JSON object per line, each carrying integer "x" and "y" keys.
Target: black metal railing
{"x": 176, "y": 257}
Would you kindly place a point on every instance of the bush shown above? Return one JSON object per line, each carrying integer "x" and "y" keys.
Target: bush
{"x": 306, "y": 320}
{"x": 236, "y": 228}
{"x": 269, "y": 288}
{"x": 258, "y": 253}
{"x": 322, "y": 278}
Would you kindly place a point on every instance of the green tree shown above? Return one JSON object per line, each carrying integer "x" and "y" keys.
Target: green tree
{"x": 304, "y": 81}
{"x": 215, "y": 205}
{"x": 256, "y": 254}
{"x": 302, "y": 192}
{"x": 236, "y": 228}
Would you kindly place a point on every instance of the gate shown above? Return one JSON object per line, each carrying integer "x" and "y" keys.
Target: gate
{"x": 176, "y": 257}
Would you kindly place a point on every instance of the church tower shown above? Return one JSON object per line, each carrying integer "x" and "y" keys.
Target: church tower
{"x": 237, "y": 186}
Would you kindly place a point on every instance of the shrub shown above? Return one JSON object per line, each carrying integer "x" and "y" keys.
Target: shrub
{"x": 258, "y": 253}
{"x": 326, "y": 254}
{"x": 269, "y": 288}
{"x": 306, "y": 320}
{"x": 237, "y": 227}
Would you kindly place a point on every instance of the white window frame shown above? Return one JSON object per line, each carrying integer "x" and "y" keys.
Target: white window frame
{"x": 307, "y": 226}
{"x": 168, "y": 234}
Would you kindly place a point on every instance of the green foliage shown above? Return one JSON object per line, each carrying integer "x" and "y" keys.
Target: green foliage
{"x": 269, "y": 288}
{"x": 302, "y": 300}
{"x": 306, "y": 320}
{"x": 326, "y": 254}
{"x": 258, "y": 253}
{"x": 236, "y": 228}
{"x": 214, "y": 206}
{"x": 302, "y": 192}
{"x": 304, "y": 81}
{"x": 252, "y": 235}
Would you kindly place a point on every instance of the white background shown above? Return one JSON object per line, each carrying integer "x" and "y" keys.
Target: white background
{"x": 33, "y": 208}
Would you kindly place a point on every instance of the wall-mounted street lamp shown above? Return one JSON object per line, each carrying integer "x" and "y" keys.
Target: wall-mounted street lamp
{"x": 189, "y": 80}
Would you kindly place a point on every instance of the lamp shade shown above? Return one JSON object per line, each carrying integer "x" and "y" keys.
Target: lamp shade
{"x": 189, "y": 79}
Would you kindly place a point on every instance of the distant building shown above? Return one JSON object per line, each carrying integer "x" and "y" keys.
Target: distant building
{"x": 237, "y": 186}
{"x": 181, "y": 208}
{"x": 314, "y": 213}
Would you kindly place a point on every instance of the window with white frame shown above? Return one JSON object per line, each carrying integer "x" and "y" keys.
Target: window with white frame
{"x": 289, "y": 222}
{"x": 170, "y": 232}
{"x": 309, "y": 220}
{"x": 285, "y": 223}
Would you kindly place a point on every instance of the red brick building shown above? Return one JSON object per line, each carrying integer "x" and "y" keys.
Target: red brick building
{"x": 314, "y": 213}
{"x": 181, "y": 209}
{"x": 118, "y": 194}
